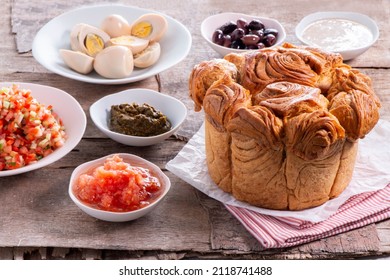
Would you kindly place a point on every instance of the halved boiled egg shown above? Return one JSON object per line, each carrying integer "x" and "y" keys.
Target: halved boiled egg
{"x": 78, "y": 61}
{"x": 148, "y": 57}
{"x": 114, "y": 62}
{"x": 88, "y": 39}
{"x": 135, "y": 44}
{"x": 149, "y": 27}
{"x": 74, "y": 37}
{"x": 115, "y": 25}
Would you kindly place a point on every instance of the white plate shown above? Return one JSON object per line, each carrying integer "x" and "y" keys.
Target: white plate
{"x": 175, "y": 45}
{"x": 68, "y": 110}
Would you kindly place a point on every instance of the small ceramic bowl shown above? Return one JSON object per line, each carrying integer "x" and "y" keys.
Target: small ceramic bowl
{"x": 119, "y": 216}
{"x": 347, "y": 54}
{"x": 173, "y": 108}
{"x": 211, "y": 23}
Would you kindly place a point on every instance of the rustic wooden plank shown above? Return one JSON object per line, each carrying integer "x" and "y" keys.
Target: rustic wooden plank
{"x": 90, "y": 254}
{"x": 18, "y": 253}
{"x": 6, "y": 253}
{"x": 59, "y": 252}
{"x": 29, "y": 253}
{"x": 358, "y": 242}
{"x": 44, "y": 207}
{"x": 28, "y": 18}
{"x": 227, "y": 233}
{"x": 158, "y": 154}
{"x": 383, "y": 229}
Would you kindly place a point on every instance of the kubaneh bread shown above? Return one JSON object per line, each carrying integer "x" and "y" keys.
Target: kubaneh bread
{"x": 282, "y": 124}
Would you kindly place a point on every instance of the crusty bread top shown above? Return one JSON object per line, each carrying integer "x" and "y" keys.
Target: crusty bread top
{"x": 306, "y": 98}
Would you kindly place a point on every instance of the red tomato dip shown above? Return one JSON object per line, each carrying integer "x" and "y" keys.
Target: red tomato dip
{"x": 117, "y": 186}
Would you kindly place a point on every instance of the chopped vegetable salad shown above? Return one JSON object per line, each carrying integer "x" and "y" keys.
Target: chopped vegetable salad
{"x": 29, "y": 130}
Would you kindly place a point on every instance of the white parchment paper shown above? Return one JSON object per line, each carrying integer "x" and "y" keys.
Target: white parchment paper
{"x": 372, "y": 172}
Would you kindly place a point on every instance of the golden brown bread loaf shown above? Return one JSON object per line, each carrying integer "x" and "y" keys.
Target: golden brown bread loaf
{"x": 282, "y": 124}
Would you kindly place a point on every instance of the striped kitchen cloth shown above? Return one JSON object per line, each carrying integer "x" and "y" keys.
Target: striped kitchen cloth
{"x": 278, "y": 232}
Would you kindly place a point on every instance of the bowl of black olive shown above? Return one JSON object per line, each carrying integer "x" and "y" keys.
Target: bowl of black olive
{"x": 138, "y": 117}
{"x": 236, "y": 32}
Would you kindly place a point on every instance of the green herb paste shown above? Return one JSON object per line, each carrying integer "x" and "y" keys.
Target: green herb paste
{"x": 138, "y": 120}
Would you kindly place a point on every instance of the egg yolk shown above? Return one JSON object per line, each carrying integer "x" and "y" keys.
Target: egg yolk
{"x": 93, "y": 44}
{"x": 142, "y": 29}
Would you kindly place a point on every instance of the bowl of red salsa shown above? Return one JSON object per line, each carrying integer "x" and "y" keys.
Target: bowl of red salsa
{"x": 118, "y": 187}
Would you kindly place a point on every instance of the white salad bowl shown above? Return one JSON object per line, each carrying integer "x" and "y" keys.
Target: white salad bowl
{"x": 347, "y": 53}
{"x": 171, "y": 107}
{"x": 119, "y": 216}
{"x": 211, "y": 23}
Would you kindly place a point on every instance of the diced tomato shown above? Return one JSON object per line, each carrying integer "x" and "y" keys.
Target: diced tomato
{"x": 24, "y": 123}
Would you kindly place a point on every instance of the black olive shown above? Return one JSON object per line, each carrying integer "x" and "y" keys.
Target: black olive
{"x": 217, "y": 37}
{"x": 238, "y": 44}
{"x": 250, "y": 39}
{"x": 269, "y": 40}
{"x": 237, "y": 34}
{"x": 228, "y": 27}
{"x": 259, "y": 33}
{"x": 271, "y": 31}
{"x": 227, "y": 41}
{"x": 243, "y": 34}
{"x": 260, "y": 46}
{"x": 255, "y": 25}
{"x": 241, "y": 23}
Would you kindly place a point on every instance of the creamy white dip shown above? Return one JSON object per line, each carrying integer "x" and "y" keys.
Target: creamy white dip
{"x": 337, "y": 34}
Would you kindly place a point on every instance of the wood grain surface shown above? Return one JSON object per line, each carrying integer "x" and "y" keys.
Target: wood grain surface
{"x": 39, "y": 221}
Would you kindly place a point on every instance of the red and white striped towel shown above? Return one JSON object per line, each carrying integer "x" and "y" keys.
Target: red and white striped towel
{"x": 278, "y": 232}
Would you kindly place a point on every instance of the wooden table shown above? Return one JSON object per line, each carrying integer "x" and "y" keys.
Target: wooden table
{"x": 39, "y": 221}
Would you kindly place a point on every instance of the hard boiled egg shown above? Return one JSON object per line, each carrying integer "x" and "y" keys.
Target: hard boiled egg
{"x": 115, "y": 25}
{"x": 114, "y": 62}
{"x": 135, "y": 44}
{"x": 88, "y": 39}
{"x": 74, "y": 37}
{"x": 149, "y": 27}
{"x": 77, "y": 61}
{"x": 148, "y": 57}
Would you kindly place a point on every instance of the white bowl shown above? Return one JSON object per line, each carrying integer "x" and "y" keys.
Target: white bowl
{"x": 347, "y": 54}
{"x": 119, "y": 216}
{"x": 211, "y": 23}
{"x": 173, "y": 108}
{"x": 68, "y": 110}
{"x": 54, "y": 35}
